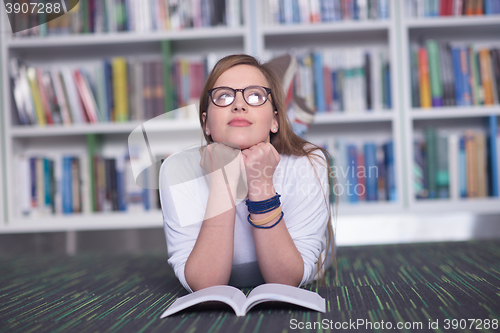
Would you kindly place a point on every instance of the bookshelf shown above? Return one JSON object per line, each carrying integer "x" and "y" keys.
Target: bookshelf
{"x": 357, "y": 127}
{"x": 87, "y": 48}
{"x": 479, "y": 31}
{"x": 401, "y": 122}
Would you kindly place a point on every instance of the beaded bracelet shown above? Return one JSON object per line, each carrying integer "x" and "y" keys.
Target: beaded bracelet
{"x": 262, "y": 227}
{"x": 264, "y": 206}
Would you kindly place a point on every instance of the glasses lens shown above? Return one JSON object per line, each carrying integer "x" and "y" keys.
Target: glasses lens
{"x": 222, "y": 96}
{"x": 255, "y": 95}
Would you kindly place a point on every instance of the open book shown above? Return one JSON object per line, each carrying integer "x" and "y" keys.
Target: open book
{"x": 236, "y": 299}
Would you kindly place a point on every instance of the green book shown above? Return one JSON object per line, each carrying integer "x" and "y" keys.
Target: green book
{"x": 431, "y": 161}
{"x": 435, "y": 73}
{"x": 442, "y": 172}
{"x": 166, "y": 51}
{"x": 85, "y": 16}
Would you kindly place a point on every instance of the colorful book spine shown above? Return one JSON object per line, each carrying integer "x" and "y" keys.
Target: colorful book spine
{"x": 435, "y": 73}
{"x": 425, "y": 89}
{"x": 493, "y": 157}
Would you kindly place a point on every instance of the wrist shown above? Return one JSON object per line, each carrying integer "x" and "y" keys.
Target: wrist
{"x": 259, "y": 193}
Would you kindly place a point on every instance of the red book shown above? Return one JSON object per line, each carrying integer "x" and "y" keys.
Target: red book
{"x": 443, "y": 7}
{"x": 86, "y": 97}
{"x": 327, "y": 77}
{"x": 361, "y": 176}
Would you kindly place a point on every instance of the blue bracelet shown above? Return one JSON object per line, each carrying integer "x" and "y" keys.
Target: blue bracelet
{"x": 264, "y": 206}
{"x": 261, "y": 227}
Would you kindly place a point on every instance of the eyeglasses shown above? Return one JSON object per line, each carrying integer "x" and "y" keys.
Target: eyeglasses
{"x": 225, "y": 96}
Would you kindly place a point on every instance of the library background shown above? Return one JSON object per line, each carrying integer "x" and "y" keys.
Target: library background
{"x": 411, "y": 87}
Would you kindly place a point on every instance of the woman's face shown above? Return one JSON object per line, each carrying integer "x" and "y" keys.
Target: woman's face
{"x": 240, "y": 123}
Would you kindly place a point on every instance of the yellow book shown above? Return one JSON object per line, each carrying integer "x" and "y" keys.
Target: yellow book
{"x": 482, "y": 175}
{"x": 425, "y": 84}
{"x": 35, "y": 93}
{"x": 120, "y": 94}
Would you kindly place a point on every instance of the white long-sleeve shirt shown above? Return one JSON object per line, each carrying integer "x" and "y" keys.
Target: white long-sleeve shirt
{"x": 304, "y": 196}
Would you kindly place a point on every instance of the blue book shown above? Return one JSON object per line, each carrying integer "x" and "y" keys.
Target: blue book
{"x": 457, "y": 74}
{"x": 319, "y": 88}
{"x": 466, "y": 88}
{"x": 296, "y": 11}
{"x": 33, "y": 201}
{"x": 354, "y": 10}
{"x": 120, "y": 187}
{"x": 352, "y": 168}
{"x": 371, "y": 171}
{"x": 67, "y": 186}
{"x": 145, "y": 191}
{"x": 383, "y": 9}
{"x": 387, "y": 89}
{"x": 487, "y": 7}
{"x": 108, "y": 81}
{"x": 462, "y": 168}
{"x": 493, "y": 165}
{"x": 390, "y": 179}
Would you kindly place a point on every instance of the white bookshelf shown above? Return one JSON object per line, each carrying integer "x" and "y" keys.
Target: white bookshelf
{"x": 359, "y": 126}
{"x": 402, "y": 123}
{"x": 70, "y": 49}
{"x": 478, "y": 30}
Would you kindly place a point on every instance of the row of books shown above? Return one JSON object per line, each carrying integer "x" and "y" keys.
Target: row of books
{"x": 445, "y": 75}
{"x": 117, "y": 89}
{"x": 432, "y": 8}
{"x": 315, "y": 11}
{"x": 363, "y": 172}
{"x": 105, "y": 16}
{"x": 61, "y": 184}
{"x": 457, "y": 165}
{"x": 347, "y": 80}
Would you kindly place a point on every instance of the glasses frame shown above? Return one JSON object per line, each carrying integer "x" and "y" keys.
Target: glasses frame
{"x": 209, "y": 95}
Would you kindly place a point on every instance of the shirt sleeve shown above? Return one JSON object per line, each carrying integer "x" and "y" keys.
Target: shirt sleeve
{"x": 307, "y": 209}
{"x": 180, "y": 236}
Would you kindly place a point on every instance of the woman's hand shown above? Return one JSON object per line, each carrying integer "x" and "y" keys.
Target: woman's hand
{"x": 260, "y": 163}
{"x": 227, "y": 159}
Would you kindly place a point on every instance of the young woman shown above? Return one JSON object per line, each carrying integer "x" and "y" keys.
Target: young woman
{"x": 253, "y": 206}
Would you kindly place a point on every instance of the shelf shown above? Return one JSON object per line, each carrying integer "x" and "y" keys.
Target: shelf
{"x": 123, "y": 38}
{"x": 341, "y": 26}
{"x": 98, "y": 221}
{"x": 101, "y": 128}
{"x": 472, "y": 205}
{"x": 368, "y": 208}
{"x": 339, "y": 118}
{"x": 455, "y": 112}
{"x": 451, "y": 21}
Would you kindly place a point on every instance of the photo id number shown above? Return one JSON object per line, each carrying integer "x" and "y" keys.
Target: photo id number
{"x": 34, "y": 8}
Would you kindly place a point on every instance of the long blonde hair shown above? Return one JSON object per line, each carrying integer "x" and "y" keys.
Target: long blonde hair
{"x": 285, "y": 141}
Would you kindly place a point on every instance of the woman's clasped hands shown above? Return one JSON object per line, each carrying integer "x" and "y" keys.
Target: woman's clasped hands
{"x": 249, "y": 171}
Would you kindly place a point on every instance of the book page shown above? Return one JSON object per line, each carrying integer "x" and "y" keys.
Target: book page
{"x": 230, "y": 295}
{"x": 284, "y": 293}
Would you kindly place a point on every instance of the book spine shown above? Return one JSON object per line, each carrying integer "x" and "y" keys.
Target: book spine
{"x": 454, "y": 166}
{"x": 442, "y": 172}
{"x": 493, "y": 157}
{"x": 464, "y": 67}
{"x": 419, "y": 184}
{"x": 435, "y": 73}
{"x": 319, "y": 88}
{"x": 482, "y": 175}
{"x": 431, "y": 161}
{"x": 120, "y": 94}
{"x": 391, "y": 178}
{"x": 425, "y": 92}
{"x": 352, "y": 183}
{"x": 471, "y": 158}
